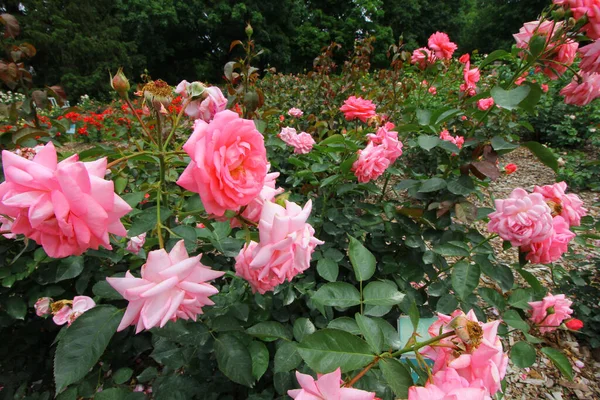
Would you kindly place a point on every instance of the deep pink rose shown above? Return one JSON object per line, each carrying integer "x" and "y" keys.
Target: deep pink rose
{"x": 66, "y": 207}
{"x": 522, "y": 219}
{"x": 61, "y": 317}
{"x": 254, "y": 208}
{"x": 286, "y": 245}
{"x": 465, "y": 58}
{"x": 358, "y": 108}
{"x": 459, "y": 141}
{"x": 371, "y": 163}
{"x": 449, "y": 385}
{"x": 590, "y": 60}
{"x": 295, "y": 112}
{"x": 229, "y": 162}
{"x": 569, "y": 206}
{"x": 550, "y": 312}
{"x": 471, "y": 76}
{"x": 440, "y": 43}
{"x": 422, "y": 57}
{"x": 389, "y": 140}
{"x": 485, "y": 104}
{"x": 136, "y": 243}
{"x": 326, "y": 387}
{"x": 42, "y": 306}
{"x": 173, "y": 285}
{"x": 551, "y": 249}
{"x": 581, "y": 93}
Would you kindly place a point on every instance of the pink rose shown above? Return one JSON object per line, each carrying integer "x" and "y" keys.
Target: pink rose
{"x": 254, "y": 208}
{"x": 6, "y": 225}
{"x": 551, "y": 249}
{"x": 544, "y": 88}
{"x": 440, "y": 43}
{"x": 136, "y": 243}
{"x": 432, "y": 90}
{"x": 550, "y": 312}
{"x": 522, "y": 219}
{"x": 67, "y": 207}
{"x": 286, "y": 245}
{"x": 582, "y": 92}
{"x": 62, "y": 316}
{"x": 371, "y": 163}
{"x": 459, "y": 141}
{"x": 212, "y": 102}
{"x": 295, "y": 112}
{"x": 358, "y": 108}
{"x": 288, "y": 135}
{"x": 465, "y": 58}
{"x": 471, "y": 76}
{"x": 389, "y": 140}
{"x": 66, "y": 315}
{"x": 229, "y": 162}
{"x": 42, "y": 306}
{"x": 569, "y": 206}
{"x": 422, "y": 57}
{"x": 449, "y": 385}
{"x": 588, "y": 8}
{"x": 303, "y": 143}
{"x": 326, "y": 387}
{"x": 173, "y": 285}
{"x": 485, "y": 104}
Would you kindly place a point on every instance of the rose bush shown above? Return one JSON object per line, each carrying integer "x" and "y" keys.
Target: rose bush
{"x": 245, "y": 283}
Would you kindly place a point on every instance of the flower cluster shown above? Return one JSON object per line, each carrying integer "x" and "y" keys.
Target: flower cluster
{"x": 538, "y": 222}
{"x": 383, "y": 150}
{"x": 459, "y": 141}
{"x": 439, "y": 47}
{"x": 65, "y": 311}
{"x": 301, "y": 142}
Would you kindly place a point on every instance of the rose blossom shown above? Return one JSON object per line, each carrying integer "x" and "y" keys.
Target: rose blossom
{"x": 574, "y": 324}
{"x": 485, "y": 104}
{"x": 326, "y": 387}
{"x": 287, "y": 134}
{"x": 371, "y": 163}
{"x": 303, "y": 143}
{"x": 449, "y": 385}
{"x": 544, "y": 87}
{"x": 389, "y": 140}
{"x": 590, "y": 60}
{"x": 569, "y": 206}
{"x": 212, "y": 101}
{"x": 588, "y": 8}
{"x": 422, "y": 57}
{"x": 286, "y": 245}
{"x": 66, "y": 207}
{"x": 432, "y": 90}
{"x": 465, "y": 58}
{"x": 228, "y": 162}
{"x": 67, "y": 314}
{"x": 6, "y": 225}
{"x": 582, "y": 92}
{"x": 358, "y": 108}
{"x": 459, "y": 141}
{"x": 551, "y": 249}
{"x": 522, "y": 219}
{"x": 440, "y": 43}
{"x": 295, "y": 112}
{"x": 510, "y": 168}
{"x": 172, "y": 286}
{"x": 42, "y": 306}
{"x": 550, "y": 312}
{"x": 136, "y": 243}
{"x": 471, "y": 76}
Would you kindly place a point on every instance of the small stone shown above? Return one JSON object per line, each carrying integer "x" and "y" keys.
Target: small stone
{"x": 549, "y": 383}
{"x": 536, "y": 382}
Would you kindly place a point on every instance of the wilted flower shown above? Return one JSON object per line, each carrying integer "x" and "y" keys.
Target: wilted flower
{"x": 136, "y": 243}
{"x": 42, "y": 306}
{"x": 67, "y": 314}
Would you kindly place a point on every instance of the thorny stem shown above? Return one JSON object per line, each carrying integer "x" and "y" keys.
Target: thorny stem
{"x": 120, "y": 160}
{"x": 176, "y": 123}
{"x": 363, "y": 372}
{"x": 140, "y": 120}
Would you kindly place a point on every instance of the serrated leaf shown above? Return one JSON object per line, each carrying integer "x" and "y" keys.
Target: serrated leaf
{"x": 492, "y": 297}
{"x": 337, "y": 294}
{"x": 302, "y": 328}
{"x": 381, "y": 294}
{"x": 397, "y": 376}
{"x": 432, "y": 185}
{"x": 371, "y": 332}
{"x": 269, "y": 331}
{"x": 260, "y": 358}
{"x": 363, "y": 261}
{"x": 122, "y": 375}
{"x": 522, "y": 354}
{"x": 543, "y": 154}
{"x": 427, "y": 142}
{"x": 520, "y": 299}
{"x": 234, "y": 359}
{"x": 287, "y": 357}
{"x": 509, "y": 99}
{"x": 465, "y": 278}
{"x": 450, "y": 250}
{"x": 560, "y": 361}
{"x": 512, "y": 318}
{"x": 328, "y": 269}
{"x": 16, "y": 307}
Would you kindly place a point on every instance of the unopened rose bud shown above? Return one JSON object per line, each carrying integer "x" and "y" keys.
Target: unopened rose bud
{"x": 574, "y": 324}
{"x": 249, "y": 31}
{"x": 120, "y": 83}
{"x": 42, "y": 306}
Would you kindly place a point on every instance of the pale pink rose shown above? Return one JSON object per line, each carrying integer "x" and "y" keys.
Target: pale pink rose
{"x": 582, "y": 92}
{"x": 471, "y": 76}
{"x": 80, "y": 305}
{"x": 550, "y": 312}
{"x": 254, "y": 208}
{"x": 62, "y": 316}
{"x": 66, "y": 207}
{"x": 485, "y": 363}
{"x": 288, "y": 135}
{"x": 295, "y": 112}
{"x": 422, "y": 57}
{"x": 432, "y": 90}
{"x": 522, "y": 219}
{"x": 449, "y": 385}
{"x": 570, "y": 206}
{"x": 389, "y": 140}
{"x": 326, "y": 387}
{"x": 136, "y": 243}
{"x": 440, "y": 43}
{"x": 371, "y": 163}
{"x": 286, "y": 245}
{"x": 358, "y": 108}
{"x": 6, "y": 225}
{"x": 551, "y": 249}
{"x": 42, "y": 306}
{"x": 303, "y": 143}
{"x": 212, "y": 102}
{"x": 590, "y": 60}
{"x": 485, "y": 104}
{"x": 173, "y": 285}
{"x": 228, "y": 163}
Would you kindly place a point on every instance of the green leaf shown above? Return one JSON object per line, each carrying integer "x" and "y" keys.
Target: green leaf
{"x": 498, "y": 143}
{"x": 69, "y": 268}
{"x": 234, "y": 359}
{"x": 397, "y": 376}
{"x": 16, "y": 307}
{"x": 492, "y": 297}
{"x": 450, "y": 250}
{"x": 462, "y": 186}
{"x": 117, "y": 393}
{"x": 446, "y": 304}
{"x": 104, "y": 290}
{"x": 363, "y": 261}
{"x": 520, "y": 298}
{"x": 522, "y": 354}
{"x": 509, "y": 99}
{"x": 539, "y": 291}
{"x": 371, "y": 332}
{"x": 532, "y": 339}
{"x": 560, "y": 361}
{"x": 146, "y": 221}
{"x": 260, "y": 358}
{"x": 428, "y": 142}
{"x": 346, "y": 324}
{"x": 83, "y": 344}
{"x": 269, "y": 331}
{"x": 287, "y": 357}
{"x": 543, "y": 154}
{"x": 328, "y": 269}
{"x": 302, "y": 328}
{"x": 512, "y": 318}
{"x": 432, "y": 185}
{"x": 381, "y": 294}
{"x": 328, "y": 349}
{"x": 502, "y": 274}
{"x": 337, "y": 294}
{"x": 493, "y": 56}
{"x": 120, "y": 184}
{"x": 122, "y": 375}
{"x": 413, "y": 313}
{"x": 465, "y": 278}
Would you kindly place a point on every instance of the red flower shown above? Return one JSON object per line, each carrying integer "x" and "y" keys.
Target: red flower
{"x": 510, "y": 168}
{"x": 574, "y": 324}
